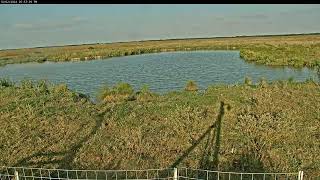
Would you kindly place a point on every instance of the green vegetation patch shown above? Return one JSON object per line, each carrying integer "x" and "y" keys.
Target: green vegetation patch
{"x": 290, "y": 55}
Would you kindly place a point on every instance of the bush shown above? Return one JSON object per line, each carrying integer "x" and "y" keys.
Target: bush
{"x": 263, "y": 83}
{"x": 42, "y": 87}
{"x": 145, "y": 89}
{"x": 27, "y": 84}
{"x": 103, "y": 92}
{"x": 6, "y": 83}
{"x": 247, "y": 81}
{"x": 191, "y": 86}
{"x": 145, "y": 94}
{"x": 119, "y": 92}
{"x": 291, "y": 80}
{"x": 123, "y": 89}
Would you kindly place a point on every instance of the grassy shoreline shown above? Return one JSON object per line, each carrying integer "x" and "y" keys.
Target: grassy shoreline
{"x": 264, "y": 127}
{"x": 283, "y": 50}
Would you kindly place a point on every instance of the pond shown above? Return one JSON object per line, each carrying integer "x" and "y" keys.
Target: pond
{"x": 162, "y": 72}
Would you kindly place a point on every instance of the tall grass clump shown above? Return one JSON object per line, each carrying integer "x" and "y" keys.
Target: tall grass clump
{"x": 119, "y": 92}
{"x": 103, "y": 92}
{"x": 145, "y": 94}
{"x": 123, "y": 89}
{"x": 191, "y": 86}
{"x": 248, "y": 81}
{"x": 263, "y": 82}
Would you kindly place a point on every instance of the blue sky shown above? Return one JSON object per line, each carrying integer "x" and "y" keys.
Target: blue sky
{"x": 46, "y": 25}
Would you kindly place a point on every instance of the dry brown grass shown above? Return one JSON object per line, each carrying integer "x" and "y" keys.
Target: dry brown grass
{"x": 269, "y": 127}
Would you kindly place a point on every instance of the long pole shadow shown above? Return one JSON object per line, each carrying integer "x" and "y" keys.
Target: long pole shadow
{"x": 207, "y": 152}
{"x": 67, "y": 156}
{"x": 189, "y": 150}
{"x": 204, "y": 162}
{"x": 218, "y": 137}
{"x": 68, "y": 159}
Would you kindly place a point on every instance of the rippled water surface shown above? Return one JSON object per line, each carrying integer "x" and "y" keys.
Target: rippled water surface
{"x": 161, "y": 72}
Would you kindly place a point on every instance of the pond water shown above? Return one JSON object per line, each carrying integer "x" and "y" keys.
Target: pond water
{"x": 162, "y": 72}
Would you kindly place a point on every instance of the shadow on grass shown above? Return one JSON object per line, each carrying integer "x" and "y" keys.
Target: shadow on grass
{"x": 65, "y": 157}
{"x": 211, "y": 151}
{"x": 247, "y": 163}
{"x": 210, "y": 157}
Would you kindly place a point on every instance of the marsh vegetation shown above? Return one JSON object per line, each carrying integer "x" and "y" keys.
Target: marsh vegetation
{"x": 294, "y": 50}
{"x": 262, "y": 127}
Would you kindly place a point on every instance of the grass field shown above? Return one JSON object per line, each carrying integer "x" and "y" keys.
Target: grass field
{"x": 293, "y": 50}
{"x": 264, "y": 127}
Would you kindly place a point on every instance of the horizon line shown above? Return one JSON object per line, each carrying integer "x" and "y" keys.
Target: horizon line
{"x": 212, "y": 37}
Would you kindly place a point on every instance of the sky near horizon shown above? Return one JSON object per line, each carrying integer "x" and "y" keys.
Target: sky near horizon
{"x": 50, "y": 25}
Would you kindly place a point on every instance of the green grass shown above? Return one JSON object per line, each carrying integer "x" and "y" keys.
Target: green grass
{"x": 293, "y": 50}
{"x": 264, "y": 127}
{"x": 289, "y": 55}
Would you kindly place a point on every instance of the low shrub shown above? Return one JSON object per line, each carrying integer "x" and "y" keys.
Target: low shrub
{"x": 191, "y": 86}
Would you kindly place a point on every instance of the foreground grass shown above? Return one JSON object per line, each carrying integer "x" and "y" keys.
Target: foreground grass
{"x": 295, "y": 50}
{"x": 266, "y": 127}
